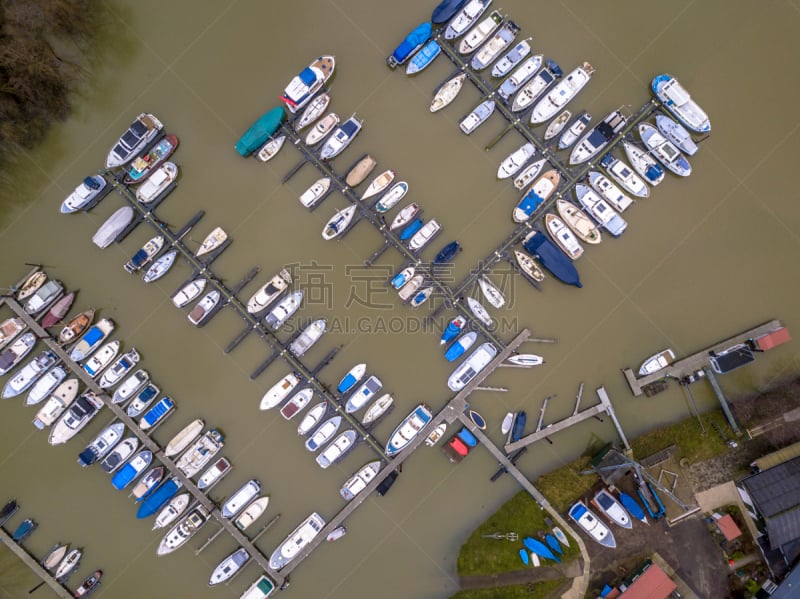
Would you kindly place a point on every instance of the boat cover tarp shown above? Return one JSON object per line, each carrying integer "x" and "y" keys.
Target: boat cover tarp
{"x": 410, "y": 229}
{"x": 530, "y": 203}
{"x": 553, "y": 259}
{"x": 308, "y": 76}
{"x": 467, "y": 437}
{"x": 630, "y": 504}
{"x": 91, "y": 183}
{"x": 158, "y": 499}
{"x": 257, "y": 134}
{"x": 519, "y": 426}
{"x": 413, "y": 40}
{"x": 446, "y": 10}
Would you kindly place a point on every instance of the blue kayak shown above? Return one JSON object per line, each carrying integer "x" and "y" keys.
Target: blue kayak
{"x": 523, "y": 555}
{"x": 554, "y": 544}
{"x": 633, "y": 507}
{"x": 539, "y": 548}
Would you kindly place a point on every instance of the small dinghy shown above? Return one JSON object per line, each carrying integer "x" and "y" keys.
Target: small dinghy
{"x": 505, "y": 426}
{"x": 562, "y": 538}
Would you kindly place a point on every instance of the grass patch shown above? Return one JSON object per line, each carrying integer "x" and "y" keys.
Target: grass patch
{"x": 561, "y": 487}
{"x": 533, "y": 590}
{"x": 689, "y": 438}
{"x": 520, "y": 514}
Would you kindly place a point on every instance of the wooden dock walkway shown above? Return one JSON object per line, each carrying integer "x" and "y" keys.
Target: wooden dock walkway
{"x": 29, "y": 560}
{"x": 692, "y": 363}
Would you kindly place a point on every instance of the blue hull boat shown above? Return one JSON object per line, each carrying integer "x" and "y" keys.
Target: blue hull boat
{"x": 633, "y": 507}
{"x": 461, "y": 345}
{"x": 453, "y": 329}
{"x": 411, "y": 228}
{"x": 519, "y": 426}
{"x": 413, "y": 42}
{"x": 539, "y": 549}
{"x": 446, "y": 10}
{"x": 553, "y": 543}
{"x": 157, "y": 413}
{"x": 523, "y": 555}
{"x": 24, "y": 530}
{"x": 447, "y": 253}
{"x": 552, "y": 258}
{"x": 158, "y": 499}
{"x": 423, "y": 57}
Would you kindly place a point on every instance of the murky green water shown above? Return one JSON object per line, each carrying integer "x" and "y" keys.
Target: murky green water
{"x": 702, "y": 259}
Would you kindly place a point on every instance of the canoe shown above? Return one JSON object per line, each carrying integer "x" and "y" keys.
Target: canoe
{"x": 562, "y": 538}
{"x": 523, "y": 555}
{"x": 447, "y": 92}
{"x": 540, "y": 549}
{"x": 553, "y": 543}
{"x": 360, "y": 170}
{"x": 492, "y": 294}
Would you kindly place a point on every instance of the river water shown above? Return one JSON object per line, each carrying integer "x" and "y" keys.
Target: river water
{"x": 703, "y": 259}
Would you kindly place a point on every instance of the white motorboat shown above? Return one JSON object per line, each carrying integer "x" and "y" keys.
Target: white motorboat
{"x": 465, "y": 18}
{"x": 525, "y": 360}
{"x": 310, "y": 335}
{"x": 119, "y": 368}
{"x": 664, "y": 150}
{"x": 101, "y": 358}
{"x": 214, "y": 473}
{"x": 304, "y": 86}
{"x": 363, "y": 395}
{"x": 9, "y": 329}
{"x": 338, "y": 222}
{"x": 296, "y": 403}
{"x": 644, "y": 164}
{"x": 251, "y": 513}
{"x": 142, "y": 399}
{"x": 184, "y": 530}
{"x": 321, "y": 129}
{"x": 75, "y": 418}
{"x": 408, "y": 429}
{"x": 279, "y": 391}
{"x": 46, "y": 385}
{"x": 143, "y": 257}
{"x": 404, "y": 216}
{"x": 480, "y": 32}
{"x": 625, "y": 176}
{"x": 57, "y": 403}
{"x": 536, "y": 86}
{"x": 189, "y": 292}
{"x": 447, "y": 92}
{"x": 315, "y": 192}
{"x": 342, "y": 136}
{"x": 212, "y": 241}
{"x": 557, "y": 124}
{"x": 403, "y": 277}
{"x": 204, "y": 307}
{"x": 676, "y": 134}
{"x": 313, "y": 111}
{"x": 521, "y": 75}
{"x": 563, "y": 236}
{"x": 184, "y": 437}
{"x": 160, "y": 267}
{"x": 284, "y": 310}
{"x": 91, "y": 340}
{"x": 598, "y": 137}
{"x": 511, "y": 58}
{"x": 323, "y": 433}
{"x": 479, "y": 311}
{"x": 172, "y": 511}
{"x": 84, "y": 194}
{"x": 613, "y": 194}
{"x": 271, "y": 148}
{"x": 491, "y": 292}
{"x": 130, "y": 386}
{"x": 312, "y": 418}
{"x": 356, "y": 483}
{"x": 472, "y": 366}
{"x": 657, "y": 362}
{"x": 269, "y": 292}
{"x": 574, "y": 131}
{"x": 112, "y": 226}
{"x": 478, "y": 115}
{"x": 422, "y": 237}
{"x": 142, "y": 131}
{"x": 337, "y": 448}
{"x": 677, "y": 100}
{"x": 564, "y": 91}
{"x": 515, "y": 161}
{"x": 200, "y": 453}
{"x": 379, "y": 184}
{"x": 349, "y": 380}
{"x": 436, "y": 435}
{"x": 528, "y": 174}
{"x": 577, "y": 220}
{"x": 377, "y": 409}
{"x": 101, "y": 444}
{"x": 229, "y": 566}
{"x": 408, "y": 290}
{"x": 121, "y": 453}
{"x": 612, "y": 508}
{"x": 392, "y": 197}
{"x": 26, "y": 376}
{"x": 589, "y": 522}
{"x": 491, "y": 49}
{"x": 296, "y": 541}
{"x": 421, "y": 296}
{"x": 157, "y": 183}
{"x": 244, "y": 495}
{"x": 600, "y": 210}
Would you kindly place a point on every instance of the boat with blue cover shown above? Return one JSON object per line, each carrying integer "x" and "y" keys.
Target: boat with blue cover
{"x": 459, "y": 346}
{"x": 132, "y": 469}
{"x": 411, "y": 229}
{"x": 158, "y": 498}
{"x": 552, "y": 258}
{"x": 447, "y": 253}
{"x": 651, "y": 501}
{"x": 453, "y": 329}
{"x": 518, "y": 427}
{"x": 678, "y": 101}
{"x": 91, "y": 340}
{"x": 633, "y": 507}
{"x": 423, "y": 57}
{"x": 24, "y": 530}
{"x": 523, "y": 555}
{"x": 157, "y": 413}
{"x": 341, "y": 137}
{"x": 540, "y": 549}
{"x": 552, "y": 541}
{"x": 412, "y": 42}
{"x": 303, "y": 86}
{"x": 529, "y": 204}
{"x": 260, "y": 131}
{"x": 349, "y": 380}
{"x": 446, "y": 10}
{"x": 403, "y": 277}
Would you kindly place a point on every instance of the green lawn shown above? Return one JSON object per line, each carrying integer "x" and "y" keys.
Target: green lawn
{"x": 538, "y": 590}
{"x": 689, "y": 438}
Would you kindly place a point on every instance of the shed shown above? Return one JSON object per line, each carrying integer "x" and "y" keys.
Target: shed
{"x": 653, "y": 583}
{"x": 773, "y": 339}
{"x": 728, "y": 528}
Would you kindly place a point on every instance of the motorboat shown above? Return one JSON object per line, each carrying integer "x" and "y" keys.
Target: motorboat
{"x": 130, "y": 386}
{"x": 657, "y": 362}
{"x": 625, "y": 176}
{"x": 410, "y": 289}
{"x": 446, "y": 10}
{"x": 360, "y": 170}
{"x": 664, "y": 150}
{"x": 491, "y": 292}
{"x": 144, "y": 164}
{"x": 525, "y": 360}
{"x": 297, "y": 402}
{"x": 101, "y": 358}
{"x": 271, "y": 148}
{"x": 144, "y": 255}
{"x": 91, "y": 340}
{"x": 377, "y": 409}
{"x": 54, "y": 556}
{"x": 528, "y": 174}
{"x": 465, "y": 18}
{"x": 323, "y": 433}
{"x": 356, "y": 483}
{"x": 75, "y": 327}
{"x": 422, "y": 237}
{"x": 261, "y": 588}
{"x": 520, "y": 76}
{"x": 200, "y": 452}
{"x": 577, "y": 220}
{"x": 312, "y": 418}
{"x": 43, "y": 298}
{"x": 410, "y": 229}
{"x": 478, "y": 115}
{"x": 24, "y": 530}
{"x": 144, "y": 129}
{"x": 574, "y": 131}
{"x": 341, "y": 137}
{"x": 184, "y": 530}
{"x": 143, "y": 489}
{"x": 676, "y": 134}
{"x": 472, "y": 366}
{"x": 173, "y": 510}
{"x": 157, "y": 413}
{"x": 184, "y": 437}
{"x": 57, "y": 403}
{"x": 244, "y": 495}
{"x": 538, "y": 193}
{"x": 598, "y": 137}
{"x": 480, "y": 33}
{"x": 214, "y": 473}
{"x": 189, "y": 292}
{"x": 589, "y": 522}
{"x": 363, "y": 395}
{"x": 321, "y": 129}
{"x": 479, "y": 311}
{"x": 337, "y": 448}
{"x": 563, "y": 236}
{"x": 75, "y": 418}
{"x": 119, "y": 368}
{"x": 142, "y": 399}
{"x": 557, "y": 125}
{"x": 310, "y": 335}
{"x": 89, "y": 584}
{"x": 251, "y": 513}
{"x": 410, "y": 427}
{"x": 349, "y": 380}
{"x": 552, "y": 258}
{"x": 296, "y": 541}
{"x": 410, "y": 44}
{"x": 46, "y": 385}
{"x": 204, "y": 308}
{"x": 84, "y": 195}
{"x": 529, "y": 266}
{"x": 608, "y": 505}
{"x": 30, "y": 285}
{"x": 260, "y": 131}
{"x": 600, "y": 210}
{"x": 315, "y": 192}
{"x": 392, "y": 197}
{"x": 643, "y": 163}
{"x": 101, "y": 444}
{"x": 511, "y": 58}
{"x": 279, "y": 391}
{"x": 269, "y": 292}
{"x": 536, "y": 86}
{"x": 447, "y": 92}
{"x": 284, "y": 310}
{"x": 612, "y": 194}
{"x": 338, "y": 222}
{"x": 379, "y": 184}
{"x": 564, "y": 91}
{"x": 211, "y": 242}
{"x": 453, "y": 329}
{"x": 302, "y": 88}
{"x": 512, "y": 163}
{"x": 436, "y": 435}
{"x": 68, "y": 565}
{"x": 9, "y": 329}
{"x": 229, "y": 566}
{"x": 489, "y": 51}
{"x": 404, "y": 216}
{"x": 447, "y": 253}
{"x": 132, "y": 469}
{"x": 315, "y": 109}
{"x": 157, "y": 183}
{"x": 120, "y": 454}
{"x": 679, "y": 102}
{"x": 160, "y": 267}
{"x": 26, "y": 376}
{"x": 423, "y": 57}
{"x": 460, "y": 346}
